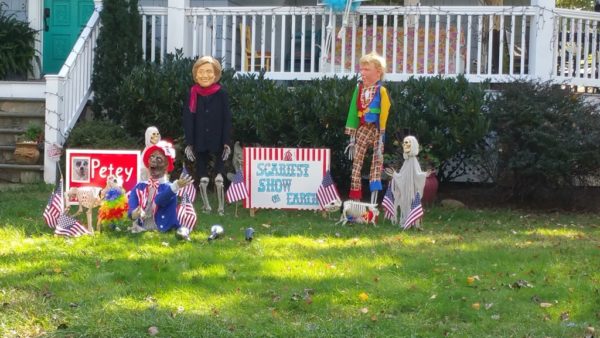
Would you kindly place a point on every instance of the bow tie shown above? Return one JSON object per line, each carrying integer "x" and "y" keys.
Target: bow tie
{"x": 153, "y": 183}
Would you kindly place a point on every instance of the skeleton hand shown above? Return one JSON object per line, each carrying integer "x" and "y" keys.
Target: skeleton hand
{"x": 183, "y": 181}
{"x": 226, "y": 152}
{"x": 350, "y": 148}
{"x": 189, "y": 153}
{"x": 136, "y": 213}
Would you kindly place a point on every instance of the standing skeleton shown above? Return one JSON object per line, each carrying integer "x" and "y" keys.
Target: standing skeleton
{"x": 207, "y": 126}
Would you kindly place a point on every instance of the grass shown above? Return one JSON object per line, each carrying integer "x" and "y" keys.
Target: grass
{"x": 303, "y": 276}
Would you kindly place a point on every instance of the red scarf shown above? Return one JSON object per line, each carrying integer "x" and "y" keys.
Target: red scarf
{"x": 202, "y": 91}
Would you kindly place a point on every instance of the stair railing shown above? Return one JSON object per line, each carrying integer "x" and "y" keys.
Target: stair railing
{"x": 68, "y": 92}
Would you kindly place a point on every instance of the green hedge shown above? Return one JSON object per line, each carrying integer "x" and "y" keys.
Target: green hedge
{"x": 548, "y": 137}
{"x": 444, "y": 114}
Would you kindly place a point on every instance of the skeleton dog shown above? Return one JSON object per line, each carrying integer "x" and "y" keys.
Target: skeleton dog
{"x": 358, "y": 212}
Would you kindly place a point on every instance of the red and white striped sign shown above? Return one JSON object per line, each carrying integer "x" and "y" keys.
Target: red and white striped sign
{"x": 284, "y": 178}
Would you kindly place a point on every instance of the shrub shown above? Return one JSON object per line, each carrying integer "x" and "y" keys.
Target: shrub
{"x": 152, "y": 94}
{"x": 17, "y": 48}
{"x": 445, "y": 114}
{"x": 102, "y": 134}
{"x": 547, "y": 137}
{"x": 307, "y": 113}
{"x": 118, "y": 51}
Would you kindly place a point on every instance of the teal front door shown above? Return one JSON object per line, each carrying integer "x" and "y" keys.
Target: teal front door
{"x": 63, "y": 21}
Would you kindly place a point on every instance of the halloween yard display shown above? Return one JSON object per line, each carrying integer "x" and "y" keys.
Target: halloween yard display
{"x": 408, "y": 184}
{"x": 207, "y": 127}
{"x": 153, "y": 203}
{"x": 367, "y": 118}
{"x": 113, "y": 204}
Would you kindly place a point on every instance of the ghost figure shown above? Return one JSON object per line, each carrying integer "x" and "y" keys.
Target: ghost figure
{"x": 151, "y": 137}
{"x": 410, "y": 180}
{"x": 207, "y": 126}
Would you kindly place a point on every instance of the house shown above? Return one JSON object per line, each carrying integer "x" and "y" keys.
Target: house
{"x": 496, "y": 40}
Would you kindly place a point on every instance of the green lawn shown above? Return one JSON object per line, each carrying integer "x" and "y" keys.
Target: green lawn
{"x": 532, "y": 274}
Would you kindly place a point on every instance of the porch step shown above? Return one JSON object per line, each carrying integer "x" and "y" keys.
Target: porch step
{"x": 21, "y": 173}
{"x": 15, "y": 116}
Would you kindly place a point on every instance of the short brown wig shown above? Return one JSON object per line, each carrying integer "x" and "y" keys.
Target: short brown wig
{"x": 204, "y": 60}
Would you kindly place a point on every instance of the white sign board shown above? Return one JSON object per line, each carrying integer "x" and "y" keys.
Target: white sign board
{"x": 284, "y": 178}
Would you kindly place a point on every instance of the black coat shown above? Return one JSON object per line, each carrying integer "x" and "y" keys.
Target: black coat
{"x": 209, "y": 128}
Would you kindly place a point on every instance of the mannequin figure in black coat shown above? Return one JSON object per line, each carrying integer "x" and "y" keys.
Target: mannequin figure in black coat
{"x": 207, "y": 126}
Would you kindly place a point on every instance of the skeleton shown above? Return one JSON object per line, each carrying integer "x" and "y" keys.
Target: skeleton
{"x": 151, "y": 137}
{"x": 358, "y": 212}
{"x": 207, "y": 127}
{"x": 88, "y": 197}
{"x": 409, "y": 181}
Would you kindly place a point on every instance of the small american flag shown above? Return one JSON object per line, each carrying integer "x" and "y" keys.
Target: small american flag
{"x": 186, "y": 215}
{"x": 388, "y": 203}
{"x": 416, "y": 212}
{"x": 327, "y": 192}
{"x": 237, "y": 190}
{"x": 55, "y": 207}
{"x": 68, "y": 226}
{"x": 189, "y": 189}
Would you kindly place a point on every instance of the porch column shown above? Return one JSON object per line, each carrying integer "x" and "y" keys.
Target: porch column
{"x": 52, "y": 134}
{"x": 177, "y": 33}
{"x": 540, "y": 40}
{"x": 35, "y": 16}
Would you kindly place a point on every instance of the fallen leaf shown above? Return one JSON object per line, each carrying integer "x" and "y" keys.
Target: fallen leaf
{"x": 363, "y": 296}
{"x": 153, "y": 330}
{"x": 543, "y": 304}
{"x": 521, "y": 283}
{"x": 475, "y": 306}
{"x": 364, "y": 310}
{"x": 590, "y": 332}
{"x": 374, "y": 318}
{"x": 470, "y": 280}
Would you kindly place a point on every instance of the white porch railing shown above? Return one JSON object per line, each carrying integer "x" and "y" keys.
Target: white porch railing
{"x": 68, "y": 92}
{"x": 307, "y": 42}
{"x": 577, "y": 47}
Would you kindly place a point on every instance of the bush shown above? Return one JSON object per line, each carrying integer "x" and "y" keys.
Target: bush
{"x": 547, "y": 137}
{"x": 102, "y": 134}
{"x": 445, "y": 114}
{"x": 152, "y": 94}
{"x": 307, "y": 113}
{"x": 118, "y": 51}
{"x": 17, "y": 48}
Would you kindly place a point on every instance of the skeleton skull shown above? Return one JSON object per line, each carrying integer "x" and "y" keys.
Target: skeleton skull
{"x": 406, "y": 145}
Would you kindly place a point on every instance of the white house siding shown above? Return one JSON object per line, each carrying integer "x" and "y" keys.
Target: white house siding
{"x": 17, "y": 8}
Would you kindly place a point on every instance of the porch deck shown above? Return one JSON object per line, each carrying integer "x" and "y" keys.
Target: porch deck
{"x": 496, "y": 43}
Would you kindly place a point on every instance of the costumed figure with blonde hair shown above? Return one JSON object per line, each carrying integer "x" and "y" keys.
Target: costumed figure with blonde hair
{"x": 367, "y": 118}
{"x": 153, "y": 203}
{"x": 207, "y": 126}
{"x": 410, "y": 181}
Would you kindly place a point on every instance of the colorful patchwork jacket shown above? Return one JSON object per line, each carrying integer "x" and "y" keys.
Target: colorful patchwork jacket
{"x": 377, "y": 111}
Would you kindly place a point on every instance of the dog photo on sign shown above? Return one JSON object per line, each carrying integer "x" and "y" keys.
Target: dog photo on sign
{"x": 80, "y": 169}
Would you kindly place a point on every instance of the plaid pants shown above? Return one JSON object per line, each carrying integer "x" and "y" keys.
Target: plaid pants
{"x": 367, "y": 136}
